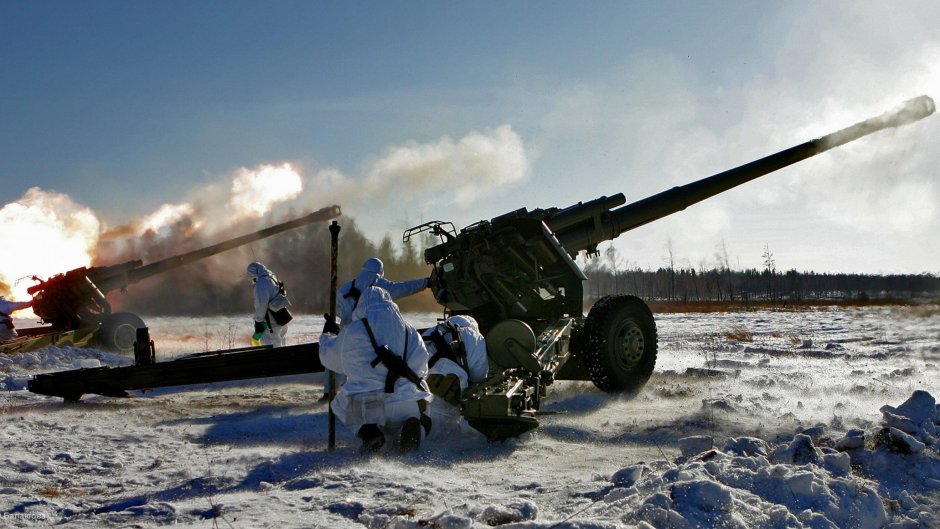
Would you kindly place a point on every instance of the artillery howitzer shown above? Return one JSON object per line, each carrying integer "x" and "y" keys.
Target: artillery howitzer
{"x": 516, "y": 275}
{"x": 75, "y": 303}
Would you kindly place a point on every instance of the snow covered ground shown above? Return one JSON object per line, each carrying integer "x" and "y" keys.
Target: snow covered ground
{"x": 818, "y": 419}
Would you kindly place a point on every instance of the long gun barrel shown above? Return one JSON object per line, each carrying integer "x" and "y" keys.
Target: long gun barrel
{"x": 71, "y": 299}
{"x": 587, "y": 234}
{"x": 107, "y": 282}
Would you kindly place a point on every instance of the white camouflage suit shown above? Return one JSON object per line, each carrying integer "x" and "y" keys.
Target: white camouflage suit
{"x": 445, "y": 417}
{"x": 362, "y": 399}
{"x": 268, "y": 298}
{"x": 7, "y": 307}
{"x": 371, "y": 274}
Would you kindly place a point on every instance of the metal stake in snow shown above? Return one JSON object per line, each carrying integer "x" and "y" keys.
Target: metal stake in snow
{"x": 331, "y": 377}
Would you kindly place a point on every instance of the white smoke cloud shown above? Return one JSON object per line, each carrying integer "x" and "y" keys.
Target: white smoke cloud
{"x": 44, "y": 233}
{"x": 331, "y": 186}
{"x": 255, "y": 191}
{"x": 165, "y": 216}
{"x": 246, "y": 193}
{"x": 473, "y": 166}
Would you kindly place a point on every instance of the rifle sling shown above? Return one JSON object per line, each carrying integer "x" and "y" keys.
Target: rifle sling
{"x": 397, "y": 366}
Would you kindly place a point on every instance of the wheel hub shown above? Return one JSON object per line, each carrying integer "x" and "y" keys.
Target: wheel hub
{"x": 630, "y": 345}
{"x": 124, "y": 337}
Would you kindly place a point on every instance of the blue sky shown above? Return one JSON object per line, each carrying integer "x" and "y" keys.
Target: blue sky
{"x": 395, "y": 109}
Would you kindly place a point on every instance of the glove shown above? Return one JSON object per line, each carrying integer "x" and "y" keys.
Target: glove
{"x": 330, "y": 327}
{"x": 259, "y": 330}
{"x": 446, "y": 387}
{"x": 436, "y": 281}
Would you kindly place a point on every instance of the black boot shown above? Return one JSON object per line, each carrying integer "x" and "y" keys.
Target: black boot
{"x": 410, "y": 435}
{"x": 372, "y": 438}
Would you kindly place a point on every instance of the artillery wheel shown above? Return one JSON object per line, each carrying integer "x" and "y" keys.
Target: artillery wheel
{"x": 620, "y": 344}
{"x": 118, "y": 332}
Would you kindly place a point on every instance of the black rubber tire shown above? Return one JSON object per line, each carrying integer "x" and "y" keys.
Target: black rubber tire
{"x": 619, "y": 344}
{"x": 118, "y": 332}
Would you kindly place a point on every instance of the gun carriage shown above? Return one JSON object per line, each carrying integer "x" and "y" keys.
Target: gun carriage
{"x": 516, "y": 275}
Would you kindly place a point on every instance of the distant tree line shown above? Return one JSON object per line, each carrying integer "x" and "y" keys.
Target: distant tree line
{"x": 723, "y": 284}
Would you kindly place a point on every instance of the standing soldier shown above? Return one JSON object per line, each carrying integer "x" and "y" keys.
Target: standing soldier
{"x": 271, "y": 314}
{"x": 372, "y": 274}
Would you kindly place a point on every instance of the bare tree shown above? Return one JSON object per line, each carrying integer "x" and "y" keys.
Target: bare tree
{"x": 670, "y": 254}
{"x": 614, "y": 262}
{"x": 770, "y": 270}
{"x": 724, "y": 267}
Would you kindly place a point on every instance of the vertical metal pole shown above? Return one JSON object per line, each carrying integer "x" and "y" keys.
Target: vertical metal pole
{"x": 331, "y": 384}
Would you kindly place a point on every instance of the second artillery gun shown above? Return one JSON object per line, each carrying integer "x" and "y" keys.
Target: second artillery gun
{"x": 74, "y": 304}
{"x": 516, "y": 275}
